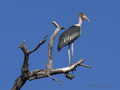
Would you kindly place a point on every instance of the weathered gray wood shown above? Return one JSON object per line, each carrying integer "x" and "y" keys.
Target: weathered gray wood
{"x": 50, "y": 62}
{"x": 20, "y": 81}
{"x": 37, "y": 74}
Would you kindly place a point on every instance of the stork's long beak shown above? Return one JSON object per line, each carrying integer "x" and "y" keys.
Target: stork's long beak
{"x": 85, "y": 18}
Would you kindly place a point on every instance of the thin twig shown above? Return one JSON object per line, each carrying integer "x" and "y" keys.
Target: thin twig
{"x": 42, "y": 41}
{"x": 85, "y": 65}
{"x": 55, "y": 80}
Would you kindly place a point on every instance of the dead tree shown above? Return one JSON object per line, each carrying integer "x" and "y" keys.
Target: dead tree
{"x": 37, "y": 74}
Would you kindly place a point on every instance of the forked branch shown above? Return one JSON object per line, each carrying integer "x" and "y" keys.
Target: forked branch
{"x": 37, "y": 74}
{"x": 20, "y": 81}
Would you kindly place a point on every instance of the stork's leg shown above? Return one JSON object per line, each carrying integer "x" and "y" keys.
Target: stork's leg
{"x": 69, "y": 53}
{"x": 72, "y": 52}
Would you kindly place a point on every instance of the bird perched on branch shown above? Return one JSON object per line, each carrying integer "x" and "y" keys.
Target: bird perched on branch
{"x": 71, "y": 34}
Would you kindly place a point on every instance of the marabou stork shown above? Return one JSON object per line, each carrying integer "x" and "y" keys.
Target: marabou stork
{"x": 70, "y": 35}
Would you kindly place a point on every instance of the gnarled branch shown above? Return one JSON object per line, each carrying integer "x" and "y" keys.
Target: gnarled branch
{"x": 20, "y": 81}
{"x": 50, "y": 62}
{"x": 37, "y": 74}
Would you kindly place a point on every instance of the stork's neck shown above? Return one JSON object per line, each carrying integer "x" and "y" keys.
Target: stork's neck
{"x": 80, "y": 21}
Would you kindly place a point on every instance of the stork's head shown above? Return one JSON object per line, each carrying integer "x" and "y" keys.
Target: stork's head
{"x": 83, "y": 16}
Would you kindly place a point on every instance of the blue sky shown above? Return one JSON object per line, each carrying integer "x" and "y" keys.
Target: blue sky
{"x": 99, "y": 43}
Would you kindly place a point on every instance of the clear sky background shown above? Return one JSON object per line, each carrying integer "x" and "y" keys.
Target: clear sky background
{"x": 98, "y": 45}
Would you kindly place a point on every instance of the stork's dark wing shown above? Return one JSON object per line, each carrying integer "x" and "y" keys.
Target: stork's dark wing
{"x": 68, "y": 36}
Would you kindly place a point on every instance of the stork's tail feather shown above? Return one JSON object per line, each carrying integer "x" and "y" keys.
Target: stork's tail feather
{"x": 59, "y": 48}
